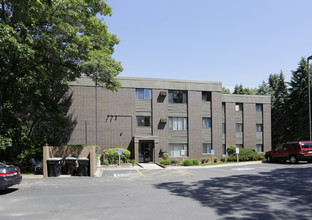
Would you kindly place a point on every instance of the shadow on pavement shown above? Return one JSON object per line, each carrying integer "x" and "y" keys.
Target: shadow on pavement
{"x": 280, "y": 194}
{"x": 8, "y": 191}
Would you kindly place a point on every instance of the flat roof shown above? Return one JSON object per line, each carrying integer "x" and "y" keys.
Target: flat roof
{"x": 246, "y": 98}
{"x": 152, "y": 83}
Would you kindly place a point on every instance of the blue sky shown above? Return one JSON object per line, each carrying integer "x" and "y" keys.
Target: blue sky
{"x": 232, "y": 41}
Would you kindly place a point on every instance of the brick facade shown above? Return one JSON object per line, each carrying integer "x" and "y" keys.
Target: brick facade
{"x": 122, "y": 131}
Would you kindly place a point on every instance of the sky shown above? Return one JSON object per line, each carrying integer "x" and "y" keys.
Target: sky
{"x": 232, "y": 41}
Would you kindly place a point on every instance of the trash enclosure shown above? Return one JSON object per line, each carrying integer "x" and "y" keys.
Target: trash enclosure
{"x": 68, "y": 159}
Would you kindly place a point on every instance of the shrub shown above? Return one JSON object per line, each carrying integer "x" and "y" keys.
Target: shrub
{"x": 187, "y": 162}
{"x": 232, "y": 158}
{"x": 165, "y": 162}
{"x": 175, "y": 161}
{"x": 165, "y": 156}
{"x": 204, "y": 160}
{"x": 133, "y": 162}
{"x": 260, "y": 156}
{"x": 105, "y": 162}
{"x": 246, "y": 154}
{"x": 111, "y": 155}
{"x": 231, "y": 150}
{"x": 224, "y": 159}
{"x": 195, "y": 162}
{"x": 215, "y": 159}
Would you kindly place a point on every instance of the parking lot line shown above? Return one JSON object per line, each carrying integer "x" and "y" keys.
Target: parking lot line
{"x": 140, "y": 173}
{"x": 146, "y": 171}
{"x": 170, "y": 173}
{"x": 156, "y": 172}
{"x": 231, "y": 171}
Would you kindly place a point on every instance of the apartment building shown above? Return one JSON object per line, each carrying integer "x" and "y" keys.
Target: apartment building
{"x": 189, "y": 119}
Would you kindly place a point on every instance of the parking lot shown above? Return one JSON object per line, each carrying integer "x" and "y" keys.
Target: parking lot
{"x": 247, "y": 191}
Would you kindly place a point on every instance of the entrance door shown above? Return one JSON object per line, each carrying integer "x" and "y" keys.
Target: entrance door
{"x": 146, "y": 152}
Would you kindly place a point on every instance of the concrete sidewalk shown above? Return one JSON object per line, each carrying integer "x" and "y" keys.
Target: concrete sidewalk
{"x": 150, "y": 166}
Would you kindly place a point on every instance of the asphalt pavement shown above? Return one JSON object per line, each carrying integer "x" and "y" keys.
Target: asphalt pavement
{"x": 246, "y": 191}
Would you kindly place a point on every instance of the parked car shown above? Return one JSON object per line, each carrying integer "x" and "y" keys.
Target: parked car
{"x": 9, "y": 175}
{"x": 292, "y": 151}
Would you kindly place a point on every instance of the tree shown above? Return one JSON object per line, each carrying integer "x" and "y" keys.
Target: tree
{"x": 279, "y": 109}
{"x": 297, "y": 111}
{"x": 45, "y": 44}
{"x": 239, "y": 89}
{"x": 225, "y": 90}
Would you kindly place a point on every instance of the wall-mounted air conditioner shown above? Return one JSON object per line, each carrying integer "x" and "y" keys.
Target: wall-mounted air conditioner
{"x": 163, "y": 93}
{"x": 163, "y": 120}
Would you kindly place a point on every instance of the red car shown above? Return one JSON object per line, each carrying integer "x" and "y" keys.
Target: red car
{"x": 292, "y": 151}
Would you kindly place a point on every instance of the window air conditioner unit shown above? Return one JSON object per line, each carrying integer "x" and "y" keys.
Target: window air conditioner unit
{"x": 163, "y": 93}
{"x": 163, "y": 120}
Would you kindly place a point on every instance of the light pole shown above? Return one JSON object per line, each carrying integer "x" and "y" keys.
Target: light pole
{"x": 309, "y": 95}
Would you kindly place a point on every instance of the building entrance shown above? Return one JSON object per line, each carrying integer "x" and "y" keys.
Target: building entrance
{"x": 146, "y": 152}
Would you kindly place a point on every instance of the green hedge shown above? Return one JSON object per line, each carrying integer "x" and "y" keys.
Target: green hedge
{"x": 245, "y": 154}
{"x": 111, "y": 155}
{"x": 165, "y": 162}
{"x": 187, "y": 162}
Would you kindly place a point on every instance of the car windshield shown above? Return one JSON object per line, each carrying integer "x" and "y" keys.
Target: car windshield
{"x": 306, "y": 145}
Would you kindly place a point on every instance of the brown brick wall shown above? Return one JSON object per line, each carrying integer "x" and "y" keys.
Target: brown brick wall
{"x": 111, "y": 132}
{"x": 160, "y": 111}
{"x": 216, "y": 115}
{"x": 249, "y": 125}
{"x": 230, "y": 130}
{"x": 267, "y": 142}
{"x": 117, "y": 133}
{"x": 194, "y": 124}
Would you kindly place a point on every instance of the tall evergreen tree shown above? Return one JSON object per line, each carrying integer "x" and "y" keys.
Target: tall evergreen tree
{"x": 239, "y": 89}
{"x": 279, "y": 109}
{"x": 265, "y": 89}
{"x": 297, "y": 105}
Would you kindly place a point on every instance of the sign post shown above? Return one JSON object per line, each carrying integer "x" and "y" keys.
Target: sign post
{"x": 119, "y": 153}
{"x": 212, "y": 153}
{"x": 183, "y": 154}
{"x": 237, "y": 152}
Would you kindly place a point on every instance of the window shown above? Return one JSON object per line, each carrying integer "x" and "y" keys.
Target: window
{"x": 223, "y": 128}
{"x": 177, "y": 96}
{"x": 143, "y": 94}
{"x": 223, "y": 107}
{"x": 177, "y": 150}
{"x": 239, "y": 127}
{"x": 207, "y": 148}
{"x": 206, "y": 122}
{"x": 143, "y": 121}
{"x": 178, "y": 124}
{"x": 206, "y": 96}
{"x": 224, "y": 149}
{"x": 259, "y": 127}
{"x": 239, "y": 145}
{"x": 239, "y": 107}
{"x": 259, "y": 148}
{"x": 259, "y": 107}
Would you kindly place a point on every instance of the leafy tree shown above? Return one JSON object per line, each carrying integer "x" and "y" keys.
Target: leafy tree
{"x": 45, "y": 44}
